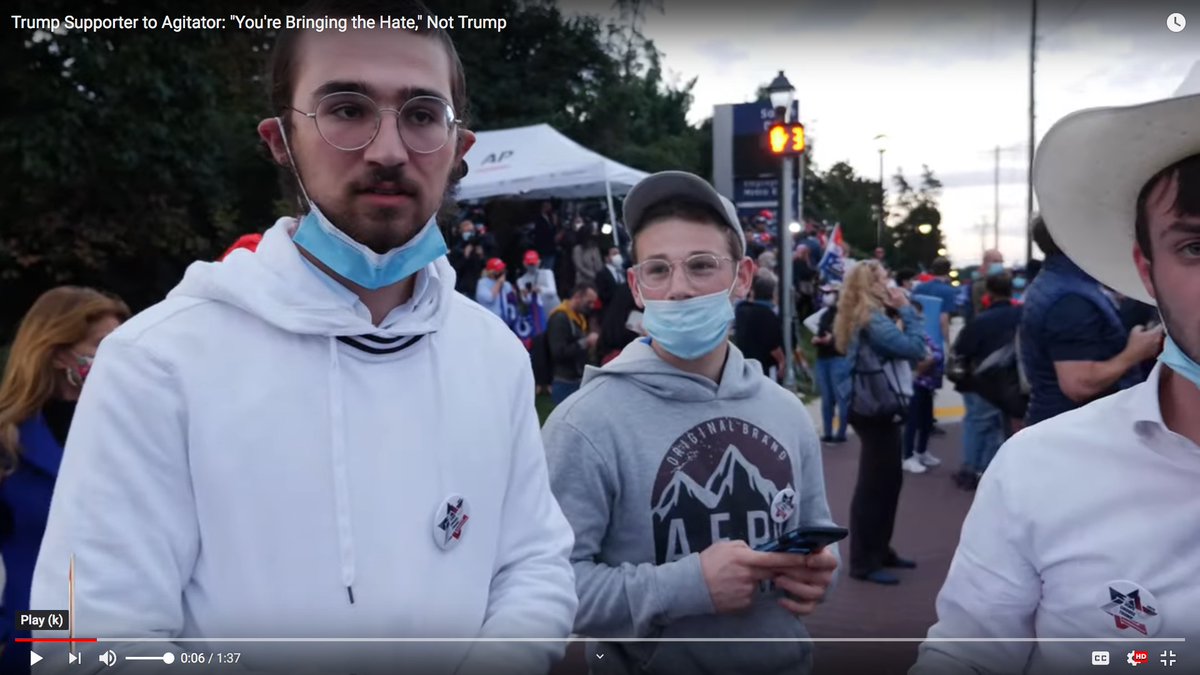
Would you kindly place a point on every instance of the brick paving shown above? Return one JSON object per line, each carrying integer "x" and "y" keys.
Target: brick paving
{"x": 927, "y": 529}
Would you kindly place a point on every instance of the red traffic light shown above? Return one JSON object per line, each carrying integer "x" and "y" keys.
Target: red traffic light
{"x": 786, "y": 139}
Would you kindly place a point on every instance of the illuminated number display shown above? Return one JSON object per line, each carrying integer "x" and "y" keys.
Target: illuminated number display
{"x": 786, "y": 139}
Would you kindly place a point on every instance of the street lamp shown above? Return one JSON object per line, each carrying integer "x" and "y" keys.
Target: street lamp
{"x": 881, "y": 145}
{"x": 782, "y": 95}
{"x": 942, "y": 252}
{"x": 924, "y": 228}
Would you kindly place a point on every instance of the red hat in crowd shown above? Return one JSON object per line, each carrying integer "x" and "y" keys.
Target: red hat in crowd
{"x": 247, "y": 241}
{"x": 532, "y": 258}
{"x": 495, "y": 265}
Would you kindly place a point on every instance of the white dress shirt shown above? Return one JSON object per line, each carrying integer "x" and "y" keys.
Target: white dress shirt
{"x": 1086, "y": 525}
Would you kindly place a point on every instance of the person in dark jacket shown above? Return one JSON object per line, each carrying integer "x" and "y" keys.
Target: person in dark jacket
{"x": 467, "y": 256}
{"x": 545, "y": 235}
{"x": 610, "y": 278}
{"x": 47, "y": 366}
{"x": 985, "y": 426}
{"x": 757, "y": 328}
{"x": 1074, "y": 348}
{"x": 1136, "y": 313}
{"x": 571, "y": 340}
{"x": 621, "y": 324}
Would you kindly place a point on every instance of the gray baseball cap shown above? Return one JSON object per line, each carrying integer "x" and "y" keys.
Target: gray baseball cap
{"x": 667, "y": 184}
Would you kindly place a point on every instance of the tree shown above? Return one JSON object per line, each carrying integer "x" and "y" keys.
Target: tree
{"x": 917, "y": 211}
{"x": 127, "y": 155}
{"x": 839, "y": 195}
{"x": 600, "y": 84}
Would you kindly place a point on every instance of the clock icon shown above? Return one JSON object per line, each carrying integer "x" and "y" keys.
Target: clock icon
{"x": 1176, "y": 22}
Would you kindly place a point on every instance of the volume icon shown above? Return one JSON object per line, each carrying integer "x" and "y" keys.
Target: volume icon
{"x": 108, "y": 658}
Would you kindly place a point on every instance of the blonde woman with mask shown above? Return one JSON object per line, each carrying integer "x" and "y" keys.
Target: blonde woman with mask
{"x": 47, "y": 366}
{"x": 868, "y": 310}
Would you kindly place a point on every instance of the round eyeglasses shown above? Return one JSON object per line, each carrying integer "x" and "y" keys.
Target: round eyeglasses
{"x": 702, "y": 269}
{"x": 350, "y": 121}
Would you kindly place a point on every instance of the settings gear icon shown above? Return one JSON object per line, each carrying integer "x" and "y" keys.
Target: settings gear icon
{"x": 1135, "y": 658}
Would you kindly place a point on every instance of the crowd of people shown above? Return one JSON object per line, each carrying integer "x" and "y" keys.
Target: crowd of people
{"x": 332, "y": 430}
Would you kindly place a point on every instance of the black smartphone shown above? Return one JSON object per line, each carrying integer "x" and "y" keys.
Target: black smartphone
{"x": 805, "y": 540}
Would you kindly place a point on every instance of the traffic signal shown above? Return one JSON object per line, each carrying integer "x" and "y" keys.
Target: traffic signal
{"x": 784, "y": 140}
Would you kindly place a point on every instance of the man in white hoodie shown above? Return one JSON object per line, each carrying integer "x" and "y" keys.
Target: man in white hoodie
{"x": 277, "y": 449}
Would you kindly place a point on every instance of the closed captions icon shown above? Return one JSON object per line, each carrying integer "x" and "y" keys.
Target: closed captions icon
{"x": 1100, "y": 658}
{"x": 1176, "y": 22}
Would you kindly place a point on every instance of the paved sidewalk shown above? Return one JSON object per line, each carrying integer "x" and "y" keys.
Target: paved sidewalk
{"x": 927, "y": 529}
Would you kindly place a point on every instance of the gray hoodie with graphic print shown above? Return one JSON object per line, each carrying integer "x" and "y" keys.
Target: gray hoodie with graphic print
{"x": 652, "y": 465}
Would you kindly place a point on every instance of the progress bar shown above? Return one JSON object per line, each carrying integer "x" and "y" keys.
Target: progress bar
{"x": 667, "y": 640}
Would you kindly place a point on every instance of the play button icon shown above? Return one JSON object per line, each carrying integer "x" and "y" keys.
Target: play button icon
{"x": 34, "y": 657}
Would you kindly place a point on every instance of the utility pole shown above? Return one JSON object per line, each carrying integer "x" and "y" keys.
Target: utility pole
{"x": 881, "y": 145}
{"x": 785, "y": 139}
{"x": 786, "y": 296}
{"x": 996, "y": 212}
{"x": 1032, "y": 139}
{"x": 882, "y": 203}
{"x": 983, "y": 228}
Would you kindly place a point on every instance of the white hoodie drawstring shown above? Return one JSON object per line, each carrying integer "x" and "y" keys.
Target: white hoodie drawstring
{"x": 341, "y": 483}
{"x": 442, "y": 457}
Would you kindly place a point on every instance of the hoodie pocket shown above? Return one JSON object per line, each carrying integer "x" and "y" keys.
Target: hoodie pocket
{"x": 791, "y": 654}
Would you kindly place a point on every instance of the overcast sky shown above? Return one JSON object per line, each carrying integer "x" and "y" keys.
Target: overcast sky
{"x": 946, "y": 82}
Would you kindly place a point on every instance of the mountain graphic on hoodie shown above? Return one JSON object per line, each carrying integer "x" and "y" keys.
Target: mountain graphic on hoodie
{"x": 696, "y": 508}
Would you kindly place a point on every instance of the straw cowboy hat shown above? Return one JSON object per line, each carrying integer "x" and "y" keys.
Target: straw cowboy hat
{"x": 1090, "y": 168}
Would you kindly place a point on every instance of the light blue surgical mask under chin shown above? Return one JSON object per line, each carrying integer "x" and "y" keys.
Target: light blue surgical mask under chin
{"x": 1173, "y": 357}
{"x": 689, "y": 328}
{"x": 358, "y": 263}
{"x": 351, "y": 259}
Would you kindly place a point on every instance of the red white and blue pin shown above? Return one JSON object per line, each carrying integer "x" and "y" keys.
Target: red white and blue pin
{"x": 450, "y": 521}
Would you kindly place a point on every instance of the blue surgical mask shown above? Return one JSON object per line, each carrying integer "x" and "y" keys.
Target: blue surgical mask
{"x": 689, "y": 328}
{"x": 995, "y": 268}
{"x": 354, "y": 261}
{"x": 1179, "y": 362}
{"x": 358, "y": 263}
{"x": 1019, "y": 283}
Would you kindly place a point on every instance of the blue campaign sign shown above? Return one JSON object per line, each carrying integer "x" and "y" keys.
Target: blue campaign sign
{"x": 755, "y": 118}
{"x": 932, "y": 308}
{"x": 755, "y": 190}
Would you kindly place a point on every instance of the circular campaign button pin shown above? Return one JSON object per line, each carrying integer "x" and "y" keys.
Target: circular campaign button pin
{"x": 450, "y": 520}
{"x": 783, "y": 505}
{"x": 1134, "y": 610}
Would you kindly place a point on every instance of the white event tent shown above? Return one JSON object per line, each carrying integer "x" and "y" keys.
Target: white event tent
{"x": 538, "y": 162}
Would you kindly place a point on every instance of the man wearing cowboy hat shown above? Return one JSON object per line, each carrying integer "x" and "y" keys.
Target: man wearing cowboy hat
{"x": 1083, "y": 526}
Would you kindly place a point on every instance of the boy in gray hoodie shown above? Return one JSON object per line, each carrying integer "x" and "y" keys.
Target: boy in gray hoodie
{"x": 678, "y": 458}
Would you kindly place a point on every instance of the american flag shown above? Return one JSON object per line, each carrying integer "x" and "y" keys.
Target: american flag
{"x": 527, "y": 321}
{"x": 833, "y": 261}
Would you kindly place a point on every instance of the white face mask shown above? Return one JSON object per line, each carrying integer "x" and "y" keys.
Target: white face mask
{"x": 617, "y": 261}
{"x": 829, "y": 299}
